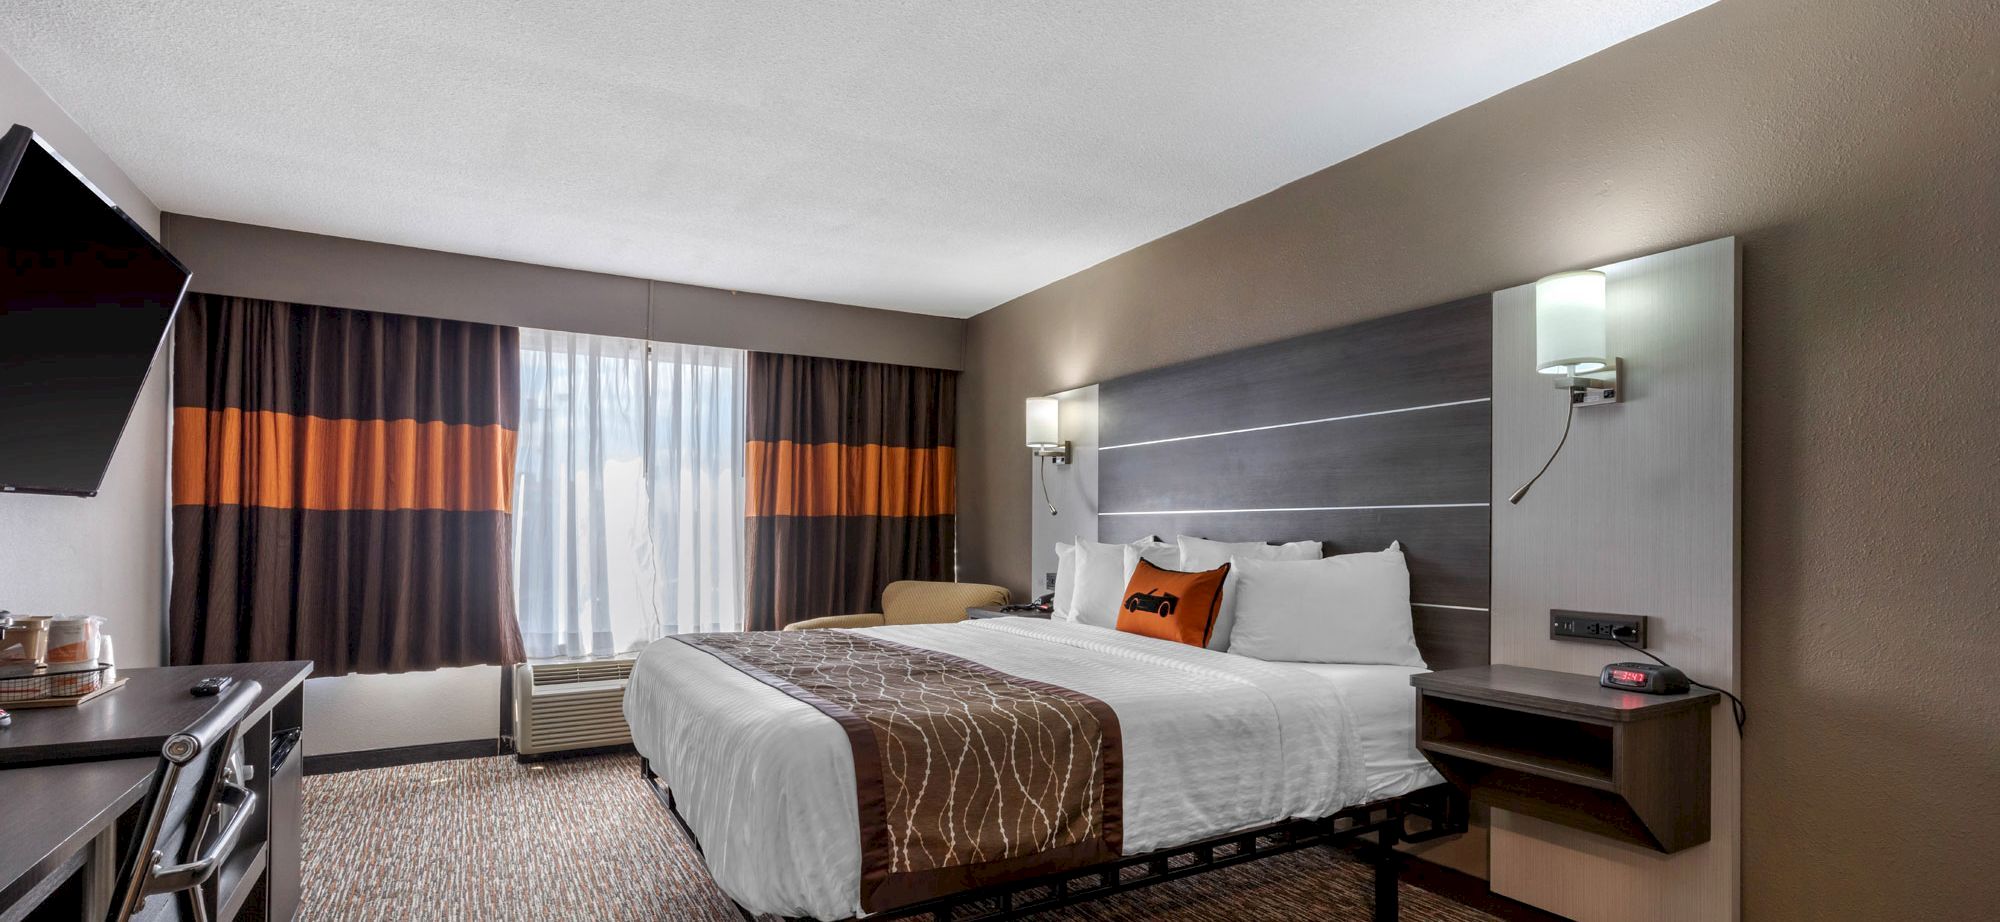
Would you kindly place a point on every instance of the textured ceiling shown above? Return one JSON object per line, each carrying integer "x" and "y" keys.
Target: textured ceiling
{"x": 935, "y": 157}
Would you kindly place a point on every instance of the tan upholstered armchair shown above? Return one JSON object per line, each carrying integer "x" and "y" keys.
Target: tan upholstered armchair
{"x": 913, "y": 601}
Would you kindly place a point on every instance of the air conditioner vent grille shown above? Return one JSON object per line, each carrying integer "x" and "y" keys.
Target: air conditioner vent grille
{"x": 571, "y": 705}
{"x": 582, "y": 671}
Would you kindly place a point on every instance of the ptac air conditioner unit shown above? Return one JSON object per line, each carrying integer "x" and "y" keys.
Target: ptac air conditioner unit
{"x": 563, "y": 706}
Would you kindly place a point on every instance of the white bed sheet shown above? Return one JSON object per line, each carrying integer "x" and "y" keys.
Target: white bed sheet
{"x": 1385, "y": 717}
{"x": 1213, "y": 743}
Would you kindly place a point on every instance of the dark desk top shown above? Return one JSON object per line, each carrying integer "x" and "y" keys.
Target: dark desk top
{"x": 137, "y": 719}
{"x": 1557, "y": 692}
{"x": 53, "y": 810}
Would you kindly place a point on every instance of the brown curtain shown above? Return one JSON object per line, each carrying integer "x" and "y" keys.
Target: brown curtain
{"x": 342, "y": 488}
{"x": 852, "y": 484}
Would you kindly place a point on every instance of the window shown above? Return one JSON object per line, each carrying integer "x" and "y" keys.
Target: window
{"x": 628, "y": 500}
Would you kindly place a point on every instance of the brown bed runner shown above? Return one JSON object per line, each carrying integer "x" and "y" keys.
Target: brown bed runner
{"x": 965, "y": 775}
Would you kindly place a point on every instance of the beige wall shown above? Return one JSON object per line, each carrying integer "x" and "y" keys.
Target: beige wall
{"x": 103, "y": 555}
{"x": 1854, "y": 148}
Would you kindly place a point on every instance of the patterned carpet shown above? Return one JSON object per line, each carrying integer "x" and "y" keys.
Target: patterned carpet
{"x": 583, "y": 839}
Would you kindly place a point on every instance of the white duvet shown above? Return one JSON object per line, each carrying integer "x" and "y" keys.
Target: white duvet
{"x": 1213, "y": 743}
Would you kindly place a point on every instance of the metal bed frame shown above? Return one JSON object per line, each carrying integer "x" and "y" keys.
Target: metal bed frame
{"x": 1441, "y": 808}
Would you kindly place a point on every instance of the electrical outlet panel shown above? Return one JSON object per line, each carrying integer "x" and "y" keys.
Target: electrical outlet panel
{"x": 1049, "y": 582}
{"x": 1598, "y": 626}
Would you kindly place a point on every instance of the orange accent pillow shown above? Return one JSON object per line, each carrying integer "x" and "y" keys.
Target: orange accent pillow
{"x": 1172, "y": 605}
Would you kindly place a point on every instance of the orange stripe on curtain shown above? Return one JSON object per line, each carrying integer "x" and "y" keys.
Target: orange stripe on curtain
{"x": 850, "y": 483}
{"x": 307, "y": 462}
{"x": 834, "y": 479}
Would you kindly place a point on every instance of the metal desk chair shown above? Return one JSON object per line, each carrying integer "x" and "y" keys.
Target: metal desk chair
{"x": 175, "y": 851}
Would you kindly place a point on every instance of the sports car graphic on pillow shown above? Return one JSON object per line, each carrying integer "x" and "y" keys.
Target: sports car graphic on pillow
{"x": 1162, "y": 604}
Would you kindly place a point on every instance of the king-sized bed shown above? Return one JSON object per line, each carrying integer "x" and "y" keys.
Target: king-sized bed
{"x": 1007, "y": 765}
{"x": 1025, "y": 748}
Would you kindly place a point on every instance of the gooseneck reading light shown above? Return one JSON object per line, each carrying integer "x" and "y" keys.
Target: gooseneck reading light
{"x": 1568, "y": 418}
{"x": 1570, "y": 342}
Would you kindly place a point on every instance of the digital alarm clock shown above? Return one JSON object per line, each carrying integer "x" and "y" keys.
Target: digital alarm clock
{"x": 1645, "y": 678}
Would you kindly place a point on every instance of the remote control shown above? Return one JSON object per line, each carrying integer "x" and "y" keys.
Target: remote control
{"x": 208, "y": 688}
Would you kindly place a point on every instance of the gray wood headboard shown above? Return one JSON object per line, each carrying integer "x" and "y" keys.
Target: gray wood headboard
{"x": 1376, "y": 432}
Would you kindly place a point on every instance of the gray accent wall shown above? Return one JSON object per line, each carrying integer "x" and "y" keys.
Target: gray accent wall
{"x": 1325, "y": 437}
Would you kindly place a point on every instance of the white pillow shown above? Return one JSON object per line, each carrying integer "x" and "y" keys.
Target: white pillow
{"x": 1101, "y": 575}
{"x": 1199, "y": 554}
{"x": 1065, "y": 591}
{"x": 1202, "y": 554}
{"x": 1350, "y": 608}
{"x": 1158, "y": 553}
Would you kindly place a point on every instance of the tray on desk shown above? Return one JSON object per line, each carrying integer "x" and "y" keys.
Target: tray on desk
{"x": 65, "y": 701}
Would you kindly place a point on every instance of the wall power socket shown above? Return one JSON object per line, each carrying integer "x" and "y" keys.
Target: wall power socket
{"x": 1598, "y": 626}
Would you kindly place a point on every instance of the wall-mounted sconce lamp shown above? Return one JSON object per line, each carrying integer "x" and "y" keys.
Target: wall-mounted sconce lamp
{"x": 1570, "y": 342}
{"x": 1569, "y": 337}
{"x": 1044, "y": 429}
{"x": 1045, "y": 439}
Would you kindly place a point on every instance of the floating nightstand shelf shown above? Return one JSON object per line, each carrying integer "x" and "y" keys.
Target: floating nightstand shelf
{"x": 1559, "y": 747}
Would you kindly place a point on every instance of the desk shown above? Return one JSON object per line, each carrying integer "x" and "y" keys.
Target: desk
{"x": 58, "y": 811}
{"x": 71, "y": 775}
{"x": 137, "y": 719}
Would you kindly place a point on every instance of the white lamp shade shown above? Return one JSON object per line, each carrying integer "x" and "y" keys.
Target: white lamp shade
{"x": 1569, "y": 324}
{"x": 1042, "y": 422}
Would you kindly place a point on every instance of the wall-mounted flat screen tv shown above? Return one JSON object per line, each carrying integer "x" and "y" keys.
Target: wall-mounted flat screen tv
{"x": 86, "y": 296}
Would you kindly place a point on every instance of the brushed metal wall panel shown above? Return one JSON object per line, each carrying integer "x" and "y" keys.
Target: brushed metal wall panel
{"x": 1071, "y": 487}
{"x": 1637, "y": 516}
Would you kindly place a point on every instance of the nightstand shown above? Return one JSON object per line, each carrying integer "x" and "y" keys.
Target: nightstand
{"x": 1562, "y": 748}
{"x": 993, "y": 611}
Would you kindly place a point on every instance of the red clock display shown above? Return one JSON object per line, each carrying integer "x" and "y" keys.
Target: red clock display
{"x": 1628, "y": 677}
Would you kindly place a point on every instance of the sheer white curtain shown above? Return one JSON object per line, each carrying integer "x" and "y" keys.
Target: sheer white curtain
{"x": 628, "y": 499}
